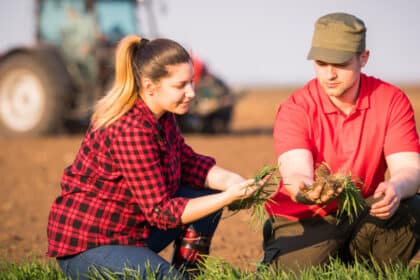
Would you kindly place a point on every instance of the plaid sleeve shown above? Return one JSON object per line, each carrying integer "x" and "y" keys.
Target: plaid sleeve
{"x": 136, "y": 152}
{"x": 194, "y": 167}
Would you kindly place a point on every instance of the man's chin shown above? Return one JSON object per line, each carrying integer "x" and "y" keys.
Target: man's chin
{"x": 333, "y": 92}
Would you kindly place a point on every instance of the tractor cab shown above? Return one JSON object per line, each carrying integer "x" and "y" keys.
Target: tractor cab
{"x": 109, "y": 20}
{"x": 86, "y": 33}
{"x": 46, "y": 87}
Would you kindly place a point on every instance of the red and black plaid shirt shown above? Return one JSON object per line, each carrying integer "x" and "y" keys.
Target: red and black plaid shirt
{"x": 123, "y": 182}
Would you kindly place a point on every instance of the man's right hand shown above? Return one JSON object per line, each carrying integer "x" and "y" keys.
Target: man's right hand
{"x": 315, "y": 194}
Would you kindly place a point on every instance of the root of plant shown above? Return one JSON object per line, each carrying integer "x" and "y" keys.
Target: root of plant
{"x": 256, "y": 202}
{"x": 350, "y": 201}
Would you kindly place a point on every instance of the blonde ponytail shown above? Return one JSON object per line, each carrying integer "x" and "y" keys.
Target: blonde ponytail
{"x": 124, "y": 92}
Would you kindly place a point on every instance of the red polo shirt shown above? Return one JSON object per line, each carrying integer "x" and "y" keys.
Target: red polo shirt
{"x": 381, "y": 123}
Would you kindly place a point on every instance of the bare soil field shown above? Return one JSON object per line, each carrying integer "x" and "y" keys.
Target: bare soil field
{"x": 30, "y": 170}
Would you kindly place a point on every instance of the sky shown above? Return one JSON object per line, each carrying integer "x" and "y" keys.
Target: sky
{"x": 265, "y": 43}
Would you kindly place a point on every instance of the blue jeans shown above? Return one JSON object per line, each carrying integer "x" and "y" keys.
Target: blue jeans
{"x": 117, "y": 257}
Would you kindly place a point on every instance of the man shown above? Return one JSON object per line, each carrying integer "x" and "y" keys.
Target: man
{"x": 358, "y": 125}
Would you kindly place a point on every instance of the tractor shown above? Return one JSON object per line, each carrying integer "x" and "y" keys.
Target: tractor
{"x": 53, "y": 84}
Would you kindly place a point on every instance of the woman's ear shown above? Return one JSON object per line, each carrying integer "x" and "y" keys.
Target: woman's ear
{"x": 149, "y": 87}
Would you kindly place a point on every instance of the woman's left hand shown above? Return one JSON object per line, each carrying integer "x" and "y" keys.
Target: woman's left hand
{"x": 246, "y": 188}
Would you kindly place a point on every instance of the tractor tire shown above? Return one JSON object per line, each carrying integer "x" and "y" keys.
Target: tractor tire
{"x": 32, "y": 94}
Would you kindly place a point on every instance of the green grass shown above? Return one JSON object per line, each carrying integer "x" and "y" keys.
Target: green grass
{"x": 350, "y": 201}
{"x": 30, "y": 270}
{"x": 217, "y": 269}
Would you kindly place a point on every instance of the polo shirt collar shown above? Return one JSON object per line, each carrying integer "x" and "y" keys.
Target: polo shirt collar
{"x": 362, "y": 102}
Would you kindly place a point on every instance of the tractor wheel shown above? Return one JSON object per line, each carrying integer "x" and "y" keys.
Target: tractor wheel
{"x": 31, "y": 95}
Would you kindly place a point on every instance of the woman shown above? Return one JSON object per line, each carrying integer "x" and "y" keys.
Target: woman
{"x": 135, "y": 186}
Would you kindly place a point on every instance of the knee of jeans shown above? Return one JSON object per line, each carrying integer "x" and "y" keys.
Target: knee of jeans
{"x": 63, "y": 265}
{"x": 69, "y": 269}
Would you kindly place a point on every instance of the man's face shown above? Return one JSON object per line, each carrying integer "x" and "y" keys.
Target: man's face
{"x": 341, "y": 81}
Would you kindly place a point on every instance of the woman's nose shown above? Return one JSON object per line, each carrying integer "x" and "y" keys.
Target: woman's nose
{"x": 190, "y": 91}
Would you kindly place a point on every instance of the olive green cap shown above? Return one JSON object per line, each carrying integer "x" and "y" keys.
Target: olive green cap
{"x": 337, "y": 38}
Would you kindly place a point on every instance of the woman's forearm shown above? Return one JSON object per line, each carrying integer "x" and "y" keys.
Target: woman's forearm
{"x": 200, "y": 207}
{"x": 220, "y": 179}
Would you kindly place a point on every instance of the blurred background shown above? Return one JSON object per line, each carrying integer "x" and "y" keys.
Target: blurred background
{"x": 56, "y": 60}
{"x": 266, "y": 42}
{"x": 251, "y": 43}
{"x": 56, "y": 56}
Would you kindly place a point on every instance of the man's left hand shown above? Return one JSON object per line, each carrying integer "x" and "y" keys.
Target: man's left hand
{"x": 387, "y": 201}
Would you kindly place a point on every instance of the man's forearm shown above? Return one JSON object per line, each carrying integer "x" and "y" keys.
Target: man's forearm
{"x": 406, "y": 181}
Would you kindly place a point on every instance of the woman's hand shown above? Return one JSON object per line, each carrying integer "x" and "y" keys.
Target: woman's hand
{"x": 245, "y": 188}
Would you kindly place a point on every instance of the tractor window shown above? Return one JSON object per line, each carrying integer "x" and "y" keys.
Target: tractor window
{"x": 116, "y": 18}
{"x": 53, "y": 17}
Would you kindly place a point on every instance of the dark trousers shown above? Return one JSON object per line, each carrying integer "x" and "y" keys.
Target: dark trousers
{"x": 298, "y": 244}
{"x": 117, "y": 257}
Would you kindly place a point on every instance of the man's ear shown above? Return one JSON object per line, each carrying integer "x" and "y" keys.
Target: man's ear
{"x": 149, "y": 87}
{"x": 364, "y": 57}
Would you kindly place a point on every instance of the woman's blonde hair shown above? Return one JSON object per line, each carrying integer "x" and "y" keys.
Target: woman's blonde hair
{"x": 135, "y": 58}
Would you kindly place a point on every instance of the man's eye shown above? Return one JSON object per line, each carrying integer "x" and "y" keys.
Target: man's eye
{"x": 343, "y": 65}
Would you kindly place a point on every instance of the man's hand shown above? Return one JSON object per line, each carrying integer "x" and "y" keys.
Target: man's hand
{"x": 306, "y": 195}
{"x": 388, "y": 200}
{"x": 316, "y": 194}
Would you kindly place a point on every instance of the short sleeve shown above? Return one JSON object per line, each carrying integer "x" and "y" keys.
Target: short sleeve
{"x": 291, "y": 128}
{"x": 401, "y": 134}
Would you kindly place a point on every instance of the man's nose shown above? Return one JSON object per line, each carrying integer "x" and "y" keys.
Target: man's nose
{"x": 331, "y": 72}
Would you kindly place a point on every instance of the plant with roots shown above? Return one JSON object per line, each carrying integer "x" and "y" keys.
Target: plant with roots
{"x": 350, "y": 201}
{"x": 256, "y": 202}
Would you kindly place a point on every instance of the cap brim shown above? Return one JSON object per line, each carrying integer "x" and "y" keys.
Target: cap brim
{"x": 329, "y": 55}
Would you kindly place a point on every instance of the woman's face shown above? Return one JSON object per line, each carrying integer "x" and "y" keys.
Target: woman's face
{"x": 174, "y": 92}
